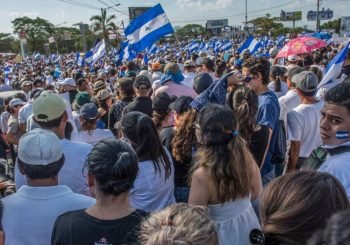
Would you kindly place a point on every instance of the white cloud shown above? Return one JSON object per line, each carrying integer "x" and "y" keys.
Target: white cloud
{"x": 204, "y": 4}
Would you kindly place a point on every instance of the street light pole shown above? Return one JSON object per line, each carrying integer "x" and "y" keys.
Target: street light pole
{"x": 318, "y": 16}
{"x": 246, "y": 15}
{"x": 56, "y": 37}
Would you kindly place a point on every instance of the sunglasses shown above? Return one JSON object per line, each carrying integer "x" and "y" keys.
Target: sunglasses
{"x": 247, "y": 79}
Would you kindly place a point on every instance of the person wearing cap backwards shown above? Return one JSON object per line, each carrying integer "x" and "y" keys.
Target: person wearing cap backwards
{"x": 303, "y": 122}
{"x": 14, "y": 132}
{"x": 69, "y": 85}
{"x": 142, "y": 101}
{"x": 273, "y": 53}
{"x": 189, "y": 73}
{"x": 30, "y": 213}
{"x": 171, "y": 82}
{"x": 88, "y": 133}
{"x": 49, "y": 112}
{"x": 156, "y": 71}
{"x": 292, "y": 61}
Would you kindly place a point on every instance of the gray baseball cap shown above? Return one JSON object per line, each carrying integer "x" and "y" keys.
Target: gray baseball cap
{"x": 306, "y": 81}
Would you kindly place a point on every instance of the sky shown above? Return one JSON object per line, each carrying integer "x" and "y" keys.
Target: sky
{"x": 180, "y": 12}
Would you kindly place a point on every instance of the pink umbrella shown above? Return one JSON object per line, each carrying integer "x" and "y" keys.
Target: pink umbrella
{"x": 301, "y": 45}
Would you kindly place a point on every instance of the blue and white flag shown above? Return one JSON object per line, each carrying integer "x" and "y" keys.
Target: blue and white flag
{"x": 125, "y": 53}
{"x": 153, "y": 49}
{"x": 194, "y": 47}
{"x": 226, "y": 46}
{"x": 98, "y": 51}
{"x": 149, "y": 27}
{"x": 252, "y": 44}
{"x": 334, "y": 68}
{"x": 80, "y": 60}
{"x": 280, "y": 41}
{"x": 88, "y": 56}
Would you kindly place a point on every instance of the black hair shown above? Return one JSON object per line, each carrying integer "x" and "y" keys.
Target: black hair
{"x": 131, "y": 66}
{"x": 245, "y": 103}
{"x": 317, "y": 58}
{"x": 259, "y": 65}
{"x": 41, "y": 171}
{"x": 220, "y": 68}
{"x": 50, "y": 124}
{"x": 114, "y": 165}
{"x": 276, "y": 73}
{"x": 308, "y": 61}
{"x": 141, "y": 131}
{"x": 36, "y": 82}
{"x": 339, "y": 95}
{"x": 68, "y": 130}
{"x": 209, "y": 64}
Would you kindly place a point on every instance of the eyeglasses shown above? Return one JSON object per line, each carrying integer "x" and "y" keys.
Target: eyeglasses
{"x": 247, "y": 79}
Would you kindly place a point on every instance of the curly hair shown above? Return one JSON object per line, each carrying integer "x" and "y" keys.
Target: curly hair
{"x": 184, "y": 137}
{"x": 179, "y": 224}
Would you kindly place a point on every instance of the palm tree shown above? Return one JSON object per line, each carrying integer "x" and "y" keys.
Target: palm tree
{"x": 102, "y": 24}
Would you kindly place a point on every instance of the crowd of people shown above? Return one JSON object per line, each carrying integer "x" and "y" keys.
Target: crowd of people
{"x": 231, "y": 148}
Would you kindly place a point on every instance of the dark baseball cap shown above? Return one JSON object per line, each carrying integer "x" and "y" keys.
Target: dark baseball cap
{"x": 201, "y": 82}
{"x": 162, "y": 101}
{"x": 142, "y": 82}
{"x": 181, "y": 104}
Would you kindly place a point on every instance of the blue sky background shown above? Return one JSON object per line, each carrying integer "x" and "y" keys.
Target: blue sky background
{"x": 180, "y": 12}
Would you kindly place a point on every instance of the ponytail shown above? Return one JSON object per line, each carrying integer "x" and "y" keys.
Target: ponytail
{"x": 278, "y": 84}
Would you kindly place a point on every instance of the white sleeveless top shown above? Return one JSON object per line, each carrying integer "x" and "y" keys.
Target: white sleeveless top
{"x": 233, "y": 221}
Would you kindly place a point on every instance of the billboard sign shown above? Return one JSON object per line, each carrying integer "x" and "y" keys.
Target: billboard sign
{"x": 217, "y": 23}
{"x": 290, "y": 16}
{"x": 136, "y": 12}
{"x": 323, "y": 15}
{"x": 344, "y": 25}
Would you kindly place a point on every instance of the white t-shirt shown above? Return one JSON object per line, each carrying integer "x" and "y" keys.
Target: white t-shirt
{"x": 91, "y": 137}
{"x": 188, "y": 81}
{"x": 284, "y": 88}
{"x": 151, "y": 192}
{"x": 339, "y": 166}
{"x": 25, "y": 112}
{"x": 71, "y": 173}
{"x": 303, "y": 124}
{"x": 287, "y": 103}
{"x": 30, "y": 214}
{"x": 157, "y": 75}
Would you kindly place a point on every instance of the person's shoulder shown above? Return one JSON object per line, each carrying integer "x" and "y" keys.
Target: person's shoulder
{"x": 70, "y": 215}
{"x": 139, "y": 213}
{"x": 76, "y": 145}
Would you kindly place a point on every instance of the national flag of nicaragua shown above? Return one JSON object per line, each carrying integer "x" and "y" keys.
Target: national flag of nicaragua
{"x": 125, "y": 53}
{"x": 252, "y": 44}
{"x": 334, "y": 68}
{"x": 146, "y": 29}
{"x": 99, "y": 51}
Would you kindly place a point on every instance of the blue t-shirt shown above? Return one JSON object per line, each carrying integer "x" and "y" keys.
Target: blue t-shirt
{"x": 268, "y": 115}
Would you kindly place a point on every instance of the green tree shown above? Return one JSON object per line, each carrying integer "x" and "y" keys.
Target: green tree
{"x": 332, "y": 25}
{"x": 37, "y": 31}
{"x": 266, "y": 24}
{"x": 8, "y": 43}
{"x": 191, "y": 31}
{"x": 66, "y": 44}
{"x": 103, "y": 25}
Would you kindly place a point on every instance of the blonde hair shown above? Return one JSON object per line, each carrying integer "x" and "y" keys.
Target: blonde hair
{"x": 179, "y": 224}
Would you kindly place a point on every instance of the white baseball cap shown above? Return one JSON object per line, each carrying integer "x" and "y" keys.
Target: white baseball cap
{"x": 15, "y": 102}
{"x": 292, "y": 58}
{"x": 39, "y": 147}
{"x": 68, "y": 81}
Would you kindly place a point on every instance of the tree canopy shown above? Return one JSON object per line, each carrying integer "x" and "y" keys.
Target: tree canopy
{"x": 36, "y": 29}
{"x": 191, "y": 31}
{"x": 332, "y": 25}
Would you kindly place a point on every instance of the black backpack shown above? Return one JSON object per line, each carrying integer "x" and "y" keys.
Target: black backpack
{"x": 280, "y": 149}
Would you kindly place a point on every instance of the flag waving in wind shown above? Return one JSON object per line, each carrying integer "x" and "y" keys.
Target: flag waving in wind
{"x": 146, "y": 29}
{"x": 334, "y": 67}
{"x": 252, "y": 44}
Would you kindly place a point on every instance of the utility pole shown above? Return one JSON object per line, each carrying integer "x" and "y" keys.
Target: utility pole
{"x": 82, "y": 32}
{"x": 246, "y": 15}
{"x": 318, "y": 16}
